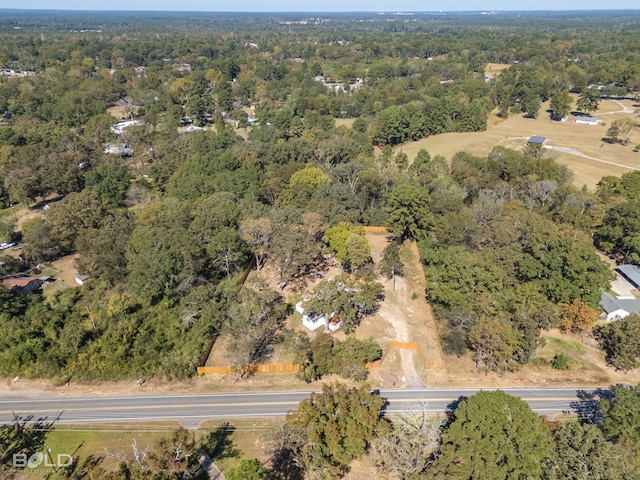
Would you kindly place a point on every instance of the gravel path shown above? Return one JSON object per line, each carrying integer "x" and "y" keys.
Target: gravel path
{"x": 576, "y": 153}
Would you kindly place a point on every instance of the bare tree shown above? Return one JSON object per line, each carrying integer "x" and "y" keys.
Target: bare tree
{"x": 257, "y": 232}
{"x": 409, "y": 447}
{"x": 541, "y": 191}
{"x": 283, "y": 445}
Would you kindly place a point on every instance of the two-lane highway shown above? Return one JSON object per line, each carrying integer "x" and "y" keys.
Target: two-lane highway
{"x": 191, "y": 409}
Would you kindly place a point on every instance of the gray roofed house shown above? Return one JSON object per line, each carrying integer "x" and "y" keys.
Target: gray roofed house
{"x": 631, "y": 273}
{"x": 536, "y": 140}
{"x": 618, "y": 308}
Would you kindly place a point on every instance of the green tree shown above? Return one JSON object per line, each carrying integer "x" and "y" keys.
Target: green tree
{"x": 620, "y": 231}
{"x": 621, "y": 413}
{"x": 588, "y": 100}
{"x": 408, "y": 211}
{"x": 349, "y": 243}
{"x": 340, "y": 423}
{"x": 580, "y": 452}
{"x": 358, "y": 251}
{"x": 293, "y": 250}
{"x": 561, "y": 104}
{"x": 566, "y": 268}
{"x": 103, "y": 250}
{"x": 39, "y": 244}
{"x": 347, "y": 299}
{"x": 160, "y": 253}
{"x": 621, "y": 129}
{"x": 620, "y": 342}
{"x": 111, "y": 180}
{"x": 76, "y": 213}
{"x": 531, "y": 103}
{"x": 227, "y": 251}
{"x": 425, "y": 170}
{"x": 492, "y": 435}
{"x": 613, "y": 133}
{"x": 326, "y": 355}
{"x": 494, "y": 343}
{"x": 391, "y": 264}
{"x": 224, "y": 96}
{"x": 248, "y": 470}
{"x": 302, "y": 185}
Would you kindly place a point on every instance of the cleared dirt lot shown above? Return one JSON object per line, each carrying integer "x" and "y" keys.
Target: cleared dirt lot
{"x": 514, "y": 132}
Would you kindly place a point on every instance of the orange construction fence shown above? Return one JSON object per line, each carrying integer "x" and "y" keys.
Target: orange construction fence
{"x": 414, "y": 346}
{"x": 294, "y": 367}
{"x": 375, "y": 229}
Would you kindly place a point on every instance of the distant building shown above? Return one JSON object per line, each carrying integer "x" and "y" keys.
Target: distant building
{"x": 537, "y": 140}
{"x": 122, "y": 124}
{"x": 182, "y": 68}
{"x": 80, "y": 279}
{"x": 24, "y": 285}
{"x": 191, "y": 128}
{"x": 48, "y": 205}
{"x": 121, "y": 149}
{"x": 587, "y": 120}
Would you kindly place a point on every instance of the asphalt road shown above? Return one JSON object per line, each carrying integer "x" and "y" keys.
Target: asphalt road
{"x": 190, "y": 410}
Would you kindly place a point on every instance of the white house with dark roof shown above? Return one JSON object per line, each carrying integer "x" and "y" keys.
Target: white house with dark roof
{"x": 620, "y": 307}
{"x": 313, "y": 320}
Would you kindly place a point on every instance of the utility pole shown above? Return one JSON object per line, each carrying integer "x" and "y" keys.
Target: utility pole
{"x": 393, "y": 276}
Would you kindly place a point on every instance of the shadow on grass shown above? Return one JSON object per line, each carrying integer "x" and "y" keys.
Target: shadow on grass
{"x": 218, "y": 444}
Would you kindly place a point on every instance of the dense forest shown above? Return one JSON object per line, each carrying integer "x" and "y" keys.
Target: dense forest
{"x": 270, "y": 139}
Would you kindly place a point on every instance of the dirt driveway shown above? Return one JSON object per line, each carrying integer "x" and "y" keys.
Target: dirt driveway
{"x": 407, "y": 314}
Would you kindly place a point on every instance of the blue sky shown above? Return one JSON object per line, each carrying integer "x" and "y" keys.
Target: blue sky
{"x": 319, "y": 5}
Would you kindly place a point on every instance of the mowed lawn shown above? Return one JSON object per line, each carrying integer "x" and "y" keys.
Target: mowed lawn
{"x": 514, "y": 132}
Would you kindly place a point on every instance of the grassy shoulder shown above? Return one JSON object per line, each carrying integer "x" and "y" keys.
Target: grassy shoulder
{"x": 587, "y": 367}
{"x": 237, "y": 439}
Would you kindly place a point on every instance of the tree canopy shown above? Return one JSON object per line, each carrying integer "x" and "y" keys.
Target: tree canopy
{"x": 492, "y": 435}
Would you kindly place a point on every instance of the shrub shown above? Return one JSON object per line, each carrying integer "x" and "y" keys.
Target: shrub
{"x": 560, "y": 362}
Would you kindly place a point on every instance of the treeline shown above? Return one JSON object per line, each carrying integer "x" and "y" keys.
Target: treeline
{"x": 166, "y": 230}
{"x": 507, "y": 250}
{"x": 331, "y": 430}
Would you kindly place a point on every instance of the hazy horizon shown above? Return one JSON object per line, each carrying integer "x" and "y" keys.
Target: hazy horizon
{"x": 328, "y": 6}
